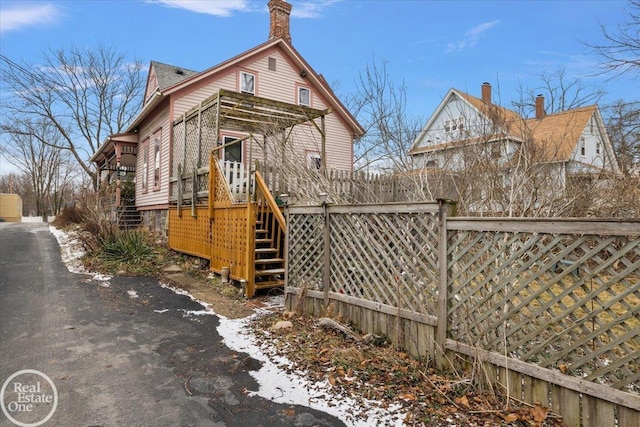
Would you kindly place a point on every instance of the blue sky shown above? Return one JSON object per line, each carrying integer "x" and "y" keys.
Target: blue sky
{"x": 430, "y": 46}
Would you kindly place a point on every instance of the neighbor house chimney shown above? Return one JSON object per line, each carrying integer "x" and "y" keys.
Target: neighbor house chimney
{"x": 540, "y": 107}
{"x": 486, "y": 92}
{"x": 279, "y": 11}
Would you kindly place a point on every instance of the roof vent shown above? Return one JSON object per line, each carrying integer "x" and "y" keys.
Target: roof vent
{"x": 179, "y": 71}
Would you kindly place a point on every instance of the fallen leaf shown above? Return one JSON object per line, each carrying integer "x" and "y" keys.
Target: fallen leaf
{"x": 407, "y": 396}
{"x": 509, "y": 418}
{"x": 290, "y": 412}
{"x": 332, "y": 380}
{"x": 539, "y": 413}
{"x": 563, "y": 368}
{"x": 462, "y": 400}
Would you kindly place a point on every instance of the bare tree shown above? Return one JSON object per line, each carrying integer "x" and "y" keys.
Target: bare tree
{"x": 47, "y": 167}
{"x": 620, "y": 50}
{"x": 623, "y": 127}
{"x": 20, "y": 184}
{"x": 86, "y": 94}
{"x": 380, "y": 106}
{"x": 561, "y": 93}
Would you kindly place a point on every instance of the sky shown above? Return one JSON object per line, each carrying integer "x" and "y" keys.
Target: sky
{"x": 428, "y": 46}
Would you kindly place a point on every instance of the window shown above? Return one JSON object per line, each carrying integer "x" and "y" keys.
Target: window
{"x": 145, "y": 166}
{"x": 496, "y": 151}
{"x": 314, "y": 161}
{"x": 583, "y": 147}
{"x": 232, "y": 153}
{"x": 272, "y": 64}
{"x": 156, "y": 163}
{"x": 454, "y": 124}
{"x": 431, "y": 163}
{"x": 598, "y": 147}
{"x": 304, "y": 96}
{"x": 247, "y": 83}
{"x": 450, "y": 125}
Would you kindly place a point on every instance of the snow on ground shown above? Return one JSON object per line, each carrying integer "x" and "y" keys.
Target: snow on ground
{"x": 72, "y": 252}
{"x": 275, "y": 382}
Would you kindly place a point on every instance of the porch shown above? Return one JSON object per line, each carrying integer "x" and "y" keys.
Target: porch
{"x": 225, "y": 211}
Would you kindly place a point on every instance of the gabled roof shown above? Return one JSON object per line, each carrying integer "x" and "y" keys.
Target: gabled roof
{"x": 169, "y": 75}
{"x": 554, "y": 135}
{"x": 314, "y": 79}
{"x": 557, "y": 135}
{"x": 506, "y": 120}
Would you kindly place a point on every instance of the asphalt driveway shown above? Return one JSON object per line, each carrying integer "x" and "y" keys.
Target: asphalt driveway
{"x": 126, "y": 353}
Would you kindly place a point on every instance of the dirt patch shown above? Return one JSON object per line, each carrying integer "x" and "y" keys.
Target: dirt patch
{"x": 224, "y": 299}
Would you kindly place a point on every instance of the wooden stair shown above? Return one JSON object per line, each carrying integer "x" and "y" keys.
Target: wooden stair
{"x": 269, "y": 261}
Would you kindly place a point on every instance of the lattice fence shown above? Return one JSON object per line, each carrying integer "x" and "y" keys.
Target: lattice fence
{"x": 387, "y": 256}
{"x": 550, "y": 309}
{"x": 194, "y": 136}
{"x": 563, "y": 301}
{"x": 306, "y": 234}
{"x": 190, "y": 235}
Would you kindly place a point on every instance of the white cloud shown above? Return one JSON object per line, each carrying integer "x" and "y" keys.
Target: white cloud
{"x": 311, "y": 9}
{"x": 210, "y": 7}
{"x": 471, "y": 37}
{"x": 26, "y": 15}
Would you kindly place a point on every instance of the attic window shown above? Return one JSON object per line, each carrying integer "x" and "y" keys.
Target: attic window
{"x": 247, "y": 83}
{"x": 454, "y": 124}
{"x": 304, "y": 96}
{"x": 272, "y": 64}
{"x": 583, "y": 147}
{"x": 598, "y": 147}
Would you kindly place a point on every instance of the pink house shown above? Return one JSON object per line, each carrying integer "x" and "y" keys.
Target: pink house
{"x": 273, "y": 70}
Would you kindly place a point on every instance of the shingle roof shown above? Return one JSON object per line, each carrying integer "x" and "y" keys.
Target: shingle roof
{"x": 555, "y": 135}
{"x": 168, "y": 75}
{"x": 507, "y": 120}
{"x": 558, "y": 134}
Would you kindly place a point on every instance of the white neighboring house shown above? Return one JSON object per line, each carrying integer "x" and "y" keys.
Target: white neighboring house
{"x": 566, "y": 145}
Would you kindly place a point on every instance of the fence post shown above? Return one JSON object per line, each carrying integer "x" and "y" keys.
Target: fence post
{"x": 442, "y": 307}
{"x": 327, "y": 252}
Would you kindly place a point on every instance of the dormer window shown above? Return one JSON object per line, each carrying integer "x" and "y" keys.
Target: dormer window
{"x": 247, "y": 83}
{"x": 304, "y": 96}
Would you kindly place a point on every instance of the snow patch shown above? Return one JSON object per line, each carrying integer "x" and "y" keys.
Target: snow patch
{"x": 132, "y": 294}
{"x": 280, "y": 386}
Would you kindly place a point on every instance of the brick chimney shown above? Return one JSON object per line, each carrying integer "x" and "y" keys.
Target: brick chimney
{"x": 279, "y": 11}
{"x": 540, "y": 107}
{"x": 486, "y": 92}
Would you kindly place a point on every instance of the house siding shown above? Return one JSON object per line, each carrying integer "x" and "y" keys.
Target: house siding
{"x": 281, "y": 85}
{"x": 147, "y": 130}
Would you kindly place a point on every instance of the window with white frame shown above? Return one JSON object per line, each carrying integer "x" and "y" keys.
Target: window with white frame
{"x": 583, "y": 147}
{"x": 304, "y": 96}
{"x": 598, "y": 147}
{"x": 247, "y": 83}
{"x": 454, "y": 124}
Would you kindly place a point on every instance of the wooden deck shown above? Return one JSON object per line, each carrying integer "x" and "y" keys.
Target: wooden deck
{"x": 246, "y": 237}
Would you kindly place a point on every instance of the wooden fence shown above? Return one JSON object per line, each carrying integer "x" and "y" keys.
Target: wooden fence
{"x": 550, "y": 307}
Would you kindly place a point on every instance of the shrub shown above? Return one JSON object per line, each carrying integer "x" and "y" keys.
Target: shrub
{"x": 68, "y": 216}
{"x": 129, "y": 247}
